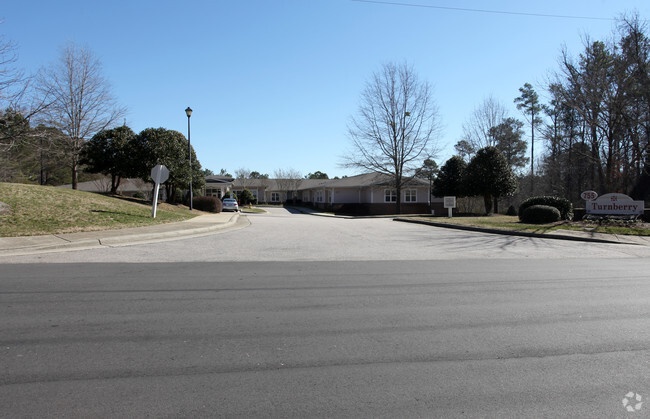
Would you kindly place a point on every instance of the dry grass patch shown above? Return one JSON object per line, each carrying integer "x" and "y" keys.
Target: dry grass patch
{"x": 512, "y": 223}
{"x": 37, "y": 210}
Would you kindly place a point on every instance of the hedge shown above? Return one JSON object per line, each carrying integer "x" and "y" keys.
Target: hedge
{"x": 540, "y": 214}
{"x": 207, "y": 203}
{"x": 563, "y": 205}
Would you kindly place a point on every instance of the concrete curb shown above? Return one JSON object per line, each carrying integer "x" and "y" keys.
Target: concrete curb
{"x": 21, "y": 246}
{"x": 566, "y": 235}
{"x": 558, "y": 236}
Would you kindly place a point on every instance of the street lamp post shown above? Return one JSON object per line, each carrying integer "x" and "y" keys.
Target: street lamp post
{"x": 188, "y": 112}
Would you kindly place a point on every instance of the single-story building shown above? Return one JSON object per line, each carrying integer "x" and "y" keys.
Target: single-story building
{"x": 128, "y": 187}
{"x": 217, "y": 186}
{"x": 367, "y": 194}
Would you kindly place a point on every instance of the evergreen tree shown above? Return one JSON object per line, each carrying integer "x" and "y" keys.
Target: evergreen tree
{"x": 489, "y": 175}
{"x": 111, "y": 152}
{"x": 450, "y": 178}
{"x": 507, "y": 137}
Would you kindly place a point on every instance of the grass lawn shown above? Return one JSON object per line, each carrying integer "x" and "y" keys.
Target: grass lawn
{"x": 37, "y": 210}
{"x": 506, "y": 222}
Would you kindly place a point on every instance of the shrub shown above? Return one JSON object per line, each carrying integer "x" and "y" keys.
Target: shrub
{"x": 540, "y": 214}
{"x": 561, "y": 204}
{"x": 511, "y": 210}
{"x": 140, "y": 195}
{"x": 246, "y": 197}
{"x": 207, "y": 203}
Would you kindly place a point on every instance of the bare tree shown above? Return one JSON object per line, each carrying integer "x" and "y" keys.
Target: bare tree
{"x": 15, "y": 108}
{"x": 288, "y": 180}
{"x": 243, "y": 175}
{"x": 476, "y": 130}
{"x": 12, "y": 80}
{"x": 81, "y": 100}
{"x": 395, "y": 125}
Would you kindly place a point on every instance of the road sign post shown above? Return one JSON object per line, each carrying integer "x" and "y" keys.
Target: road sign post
{"x": 159, "y": 174}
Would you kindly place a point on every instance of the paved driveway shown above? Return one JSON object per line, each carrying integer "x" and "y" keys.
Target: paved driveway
{"x": 280, "y": 235}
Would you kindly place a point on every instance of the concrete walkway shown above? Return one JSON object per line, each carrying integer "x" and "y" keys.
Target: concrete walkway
{"x": 197, "y": 226}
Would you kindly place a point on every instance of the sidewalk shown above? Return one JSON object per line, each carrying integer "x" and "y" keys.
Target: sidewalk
{"x": 197, "y": 226}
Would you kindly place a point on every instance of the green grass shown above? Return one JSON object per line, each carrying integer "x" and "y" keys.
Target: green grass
{"x": 37, "y": 210}
{"x": 506, "y": 222}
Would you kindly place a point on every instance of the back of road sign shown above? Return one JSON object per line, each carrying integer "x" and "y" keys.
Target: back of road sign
{"x": 159, "y": 174}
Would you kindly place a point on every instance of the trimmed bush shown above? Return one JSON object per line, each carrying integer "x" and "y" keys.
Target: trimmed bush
{"x": 561, "y": 204}
{"x": 207, "y": 203}
{"x": 540, "y": 214}
{"x": 511, "y": 210}
{"x": 246, "y": 197}
{"x": 140, "y": 195}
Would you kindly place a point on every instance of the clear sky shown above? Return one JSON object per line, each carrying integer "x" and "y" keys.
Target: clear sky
{"x": 273, "y": 83}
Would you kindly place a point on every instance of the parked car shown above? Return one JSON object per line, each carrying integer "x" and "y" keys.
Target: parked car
{"x": 230, "y": 204}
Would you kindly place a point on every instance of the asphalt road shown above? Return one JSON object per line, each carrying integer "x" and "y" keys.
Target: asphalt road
{"x": 349, "y": 326}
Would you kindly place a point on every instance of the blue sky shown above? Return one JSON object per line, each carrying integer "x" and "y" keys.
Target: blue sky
{"x": 273, "y": 83}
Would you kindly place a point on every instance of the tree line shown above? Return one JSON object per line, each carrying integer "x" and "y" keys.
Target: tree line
{"x": 598, "y": 132}
{"x": 65, "y": 118}
{"x": 595, "y": 126}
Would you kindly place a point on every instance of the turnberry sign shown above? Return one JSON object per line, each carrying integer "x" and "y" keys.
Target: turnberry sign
{"x": 614, "y": 204}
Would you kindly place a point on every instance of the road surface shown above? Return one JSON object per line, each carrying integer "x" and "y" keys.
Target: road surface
{"x": 302, "y": 316}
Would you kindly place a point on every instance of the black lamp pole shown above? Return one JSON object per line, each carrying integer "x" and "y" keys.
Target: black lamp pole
{"x": 188, "y": 112}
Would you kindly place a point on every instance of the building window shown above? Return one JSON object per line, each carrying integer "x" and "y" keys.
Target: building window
{"x": 213, "y": 192}
{"x": 390, "y": 195}
{"x": 410, "y": 195}
{"x": 275, "y": 196}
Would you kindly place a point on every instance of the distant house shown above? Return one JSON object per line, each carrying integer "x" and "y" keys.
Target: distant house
{"x": 217, "y": 186}
{"x": 128, "y": 187}
{"x": 367, "y": 194}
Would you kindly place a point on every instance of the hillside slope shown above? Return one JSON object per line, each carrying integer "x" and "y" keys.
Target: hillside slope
{"x": 36, "y": 210}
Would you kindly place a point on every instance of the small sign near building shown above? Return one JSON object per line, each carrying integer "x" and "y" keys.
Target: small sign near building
{"x": 614, "y": 204}
{"x": 450, "y": 204}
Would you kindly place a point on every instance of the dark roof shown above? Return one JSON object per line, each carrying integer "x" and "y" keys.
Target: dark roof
{"x": 358, "y": 181}
{"x": 218, "y": 179}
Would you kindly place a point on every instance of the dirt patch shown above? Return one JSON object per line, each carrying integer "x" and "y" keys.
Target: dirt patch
{"x": 4, "y": 208}
{"x": 639, "y": 225}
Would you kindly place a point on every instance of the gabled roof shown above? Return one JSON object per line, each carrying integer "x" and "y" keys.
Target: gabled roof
{"x": 370, "y": 180}
{"x": 103, "y": 185}
{"x": 218, "y": 179}
{"x": 359, "y": 181}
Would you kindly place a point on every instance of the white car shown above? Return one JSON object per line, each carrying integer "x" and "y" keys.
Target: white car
{"x": 230, "y": 204}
